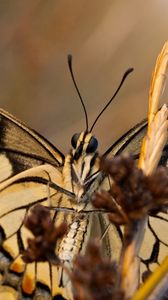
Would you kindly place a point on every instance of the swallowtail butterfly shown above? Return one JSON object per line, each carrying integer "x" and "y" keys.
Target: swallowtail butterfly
{"x": 27, "y": 163}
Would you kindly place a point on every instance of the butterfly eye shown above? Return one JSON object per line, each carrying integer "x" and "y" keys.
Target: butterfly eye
{"x": 92, "y": 146}
{"x": 75, "y": 139}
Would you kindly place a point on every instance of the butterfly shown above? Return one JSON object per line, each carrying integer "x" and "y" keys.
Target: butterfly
{"x": 33, "y": 171}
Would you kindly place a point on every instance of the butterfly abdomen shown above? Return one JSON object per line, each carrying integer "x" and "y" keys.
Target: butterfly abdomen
{"x": 72, "y": 242}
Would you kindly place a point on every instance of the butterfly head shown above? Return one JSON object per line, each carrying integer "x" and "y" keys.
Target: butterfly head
{"x": 83, "y": 143}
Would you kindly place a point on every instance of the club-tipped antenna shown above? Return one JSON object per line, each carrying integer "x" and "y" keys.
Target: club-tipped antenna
{"x": 75, "y": 84}
{"x": 127, "y": 72}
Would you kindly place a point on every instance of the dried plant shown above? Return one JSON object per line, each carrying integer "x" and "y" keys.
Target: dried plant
{"x": 152, "y": 146}
{"x": 132, "y": 198}
{"x": 133, "y": 195}
{"x": 95, "y": 277}
{"x": 42, "y": 246}
{"x": 154, "y": 141}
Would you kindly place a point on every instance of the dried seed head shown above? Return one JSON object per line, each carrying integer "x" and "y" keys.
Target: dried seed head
{"x": 95, "y": 277}
{"x": 133, "y": 195}
{"x": 42, "y": 246}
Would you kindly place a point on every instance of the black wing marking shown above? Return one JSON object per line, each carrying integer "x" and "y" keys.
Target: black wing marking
{"x": 155, "y": 243}
{"x": 22, "y": 148}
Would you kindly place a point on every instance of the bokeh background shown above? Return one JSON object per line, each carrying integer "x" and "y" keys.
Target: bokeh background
{"x": 105, "y": 38}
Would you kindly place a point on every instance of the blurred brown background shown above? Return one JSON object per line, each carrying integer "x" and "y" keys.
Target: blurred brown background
{"x": 105, "y": 38}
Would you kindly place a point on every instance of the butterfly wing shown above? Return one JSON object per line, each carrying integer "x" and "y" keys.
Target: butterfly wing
{"x": 27, "y": 163}
{"x": 18, "y": 194}
{"x": 155, "y": 244}
{"x": 129, "y": 142}
{"x": 22, "y": 148}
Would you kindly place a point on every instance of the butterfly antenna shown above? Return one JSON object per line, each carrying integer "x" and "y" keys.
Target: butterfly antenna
{"x": 116, "y": 92}
{"x": 75, "y": 84}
